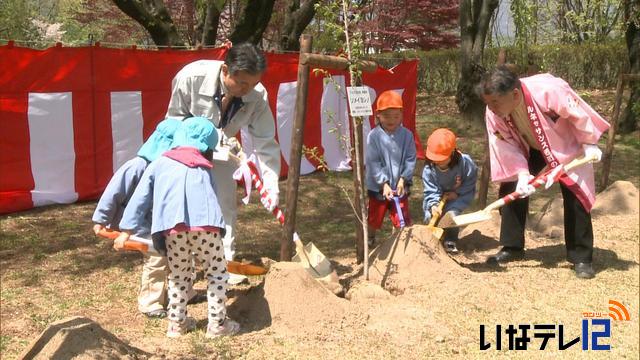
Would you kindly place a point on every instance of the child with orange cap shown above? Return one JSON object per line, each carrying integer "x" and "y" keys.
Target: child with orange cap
{"x": 390, "y": 162}
{"x": 448, "y": 174}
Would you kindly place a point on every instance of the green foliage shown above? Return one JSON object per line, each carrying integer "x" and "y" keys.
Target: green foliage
{"x": 17, "y": 20}
{"x": 525, "y": 20}
{"x": 326, "y": 29}
{"x": 586, "y": 65}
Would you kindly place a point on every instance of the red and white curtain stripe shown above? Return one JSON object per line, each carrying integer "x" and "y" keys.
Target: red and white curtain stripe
{"x": 69, "y": 117}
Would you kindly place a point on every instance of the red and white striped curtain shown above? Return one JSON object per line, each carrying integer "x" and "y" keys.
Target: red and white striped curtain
{"x": 69, "y": 117}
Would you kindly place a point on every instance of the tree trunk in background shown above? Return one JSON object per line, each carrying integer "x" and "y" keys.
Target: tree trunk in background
{"x": 211, "y": 20}
{"x": 475, "y": 17}
{"x": 629, "y": 119}
{"x": 253, "y": 21}
{"x": 296, "y": 20}
{"x": 155, "y": 18}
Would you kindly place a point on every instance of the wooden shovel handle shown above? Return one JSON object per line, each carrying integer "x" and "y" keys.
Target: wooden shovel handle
{"x": 434, "y": 219}
{"x": 538, "y": 181}
{"x": 232, "y": 266}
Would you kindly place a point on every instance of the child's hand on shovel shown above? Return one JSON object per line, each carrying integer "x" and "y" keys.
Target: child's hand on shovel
{"x": 400, "y": 187}
{"x": 435, "y": 211}
{"x": 118, "y": 243}
{"x": 387, "y": 191}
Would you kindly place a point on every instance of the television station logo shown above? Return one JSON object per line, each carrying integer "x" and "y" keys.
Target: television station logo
{"x": 595, "y": 330}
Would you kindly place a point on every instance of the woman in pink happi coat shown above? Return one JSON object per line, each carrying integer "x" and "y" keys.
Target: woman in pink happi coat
{"x": 533, "y": 123}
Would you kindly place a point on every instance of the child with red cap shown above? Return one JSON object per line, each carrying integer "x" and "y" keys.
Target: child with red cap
{"x": 448, "y": 174}
{"x": 390, "y": 162}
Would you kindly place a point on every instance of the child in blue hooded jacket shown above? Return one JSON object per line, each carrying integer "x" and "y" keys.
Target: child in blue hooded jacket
{"x": 180, "y": 189}
{"x": 152, "y": 296}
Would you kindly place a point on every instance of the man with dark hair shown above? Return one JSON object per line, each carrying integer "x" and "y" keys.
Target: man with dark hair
{"x": 535, "y": 122}
{"x": 229, "y": 93}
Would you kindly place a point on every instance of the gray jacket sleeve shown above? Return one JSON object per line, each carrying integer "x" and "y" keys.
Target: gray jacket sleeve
{"x": 180, "y": 101}
{"x": 263, "y": 131}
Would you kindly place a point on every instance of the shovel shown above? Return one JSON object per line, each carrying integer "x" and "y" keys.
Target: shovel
{"x": 136, "y": 243}
{"x": 436, "y": 232}
{"x": 314, "y": 261}
{"x": 486, "y": 213}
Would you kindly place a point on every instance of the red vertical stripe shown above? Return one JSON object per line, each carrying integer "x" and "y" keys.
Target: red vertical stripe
{"x": 16, "y": 181}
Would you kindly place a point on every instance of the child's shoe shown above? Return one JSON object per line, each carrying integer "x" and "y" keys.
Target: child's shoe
{"x": 450, "y": 247}
{"x": 176, "y": 329}
{"x": 228, "y": 328}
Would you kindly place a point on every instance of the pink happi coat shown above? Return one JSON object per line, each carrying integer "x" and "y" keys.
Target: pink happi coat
{"x": 561, "y": 123}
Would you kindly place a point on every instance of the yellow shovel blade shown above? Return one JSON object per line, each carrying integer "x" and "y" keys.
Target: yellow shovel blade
{"x": 437, "y": 232}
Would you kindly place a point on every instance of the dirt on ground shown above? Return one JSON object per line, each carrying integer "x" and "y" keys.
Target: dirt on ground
{"x": 427, "y": 305}
{"x": 419, "y": 302}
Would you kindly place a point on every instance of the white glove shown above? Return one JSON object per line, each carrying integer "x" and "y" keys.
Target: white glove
{"x": 523, "y": 187}
{"x": 553, "y": 176}
{"x": 270, "y": 201}
{"x": 593, "y": 151}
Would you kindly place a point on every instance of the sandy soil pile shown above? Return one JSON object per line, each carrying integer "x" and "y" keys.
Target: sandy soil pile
{"x": 80, "y": 338}
{"x": 620, "y": 198}
{"x": 408, "y": 259}
{"x": 289, "y": 301}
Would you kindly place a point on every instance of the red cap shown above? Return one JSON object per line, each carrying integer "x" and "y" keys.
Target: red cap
{"x": 440, "y": 144}
{"x": 389, "y": 100}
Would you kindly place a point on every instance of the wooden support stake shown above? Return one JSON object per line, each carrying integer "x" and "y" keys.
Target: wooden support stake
{"x": 336, "y": 62}
{"x": 295, "y": 157}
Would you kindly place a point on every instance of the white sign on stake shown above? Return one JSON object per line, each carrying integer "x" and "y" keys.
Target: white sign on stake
{"x": 359, "y": 101}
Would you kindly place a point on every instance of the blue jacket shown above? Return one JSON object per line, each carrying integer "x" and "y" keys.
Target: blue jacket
{"x": 178, "y": 194}
{"x": 389, "y": 157}
{"x": 436, "y": 182}
{"x": 116, "y": 195}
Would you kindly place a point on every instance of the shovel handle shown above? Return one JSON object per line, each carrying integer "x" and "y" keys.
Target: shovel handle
{"x": 142, "y": 245}
{"x": 538, "y": 181}
{"x": 434, "y": 219}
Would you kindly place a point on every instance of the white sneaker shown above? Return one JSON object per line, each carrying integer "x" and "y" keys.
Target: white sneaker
{"x": 237, "y": 279}
{"x": 228, "y": 328}
{"x": 176, "y": 329}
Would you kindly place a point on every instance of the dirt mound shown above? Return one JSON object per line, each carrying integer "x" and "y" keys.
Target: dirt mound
{"x": 409, "y": 259}
{"x": 80, "y": 338}
{"x": 364, "y": 290}
{"x": 619, "y": 198}
{"x": 289, "y": 301}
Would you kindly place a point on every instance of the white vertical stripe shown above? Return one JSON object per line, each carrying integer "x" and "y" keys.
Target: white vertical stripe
{"x": 126, "y": 125}
{"x": 334, "y": 123}
{"x": 52, "y": 148}
{"x": 285, "y": 112}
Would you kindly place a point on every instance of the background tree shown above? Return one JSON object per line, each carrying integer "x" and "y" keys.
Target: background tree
{"x": 154, "y": 16}
{"x": 392, "y": 25}
{"x": 297, "y": 17}
{"x": 587, "y": 20}
{"x": 475, "y": 16}
{"x": 629, "y": 120}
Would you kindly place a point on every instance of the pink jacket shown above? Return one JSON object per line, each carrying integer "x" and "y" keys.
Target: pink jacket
{"x": 561, "y": 122}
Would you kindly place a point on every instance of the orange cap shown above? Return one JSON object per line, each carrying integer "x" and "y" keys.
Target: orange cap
{"x": 440, "y": 144}
{"x": 389, "y": 100}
